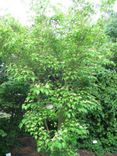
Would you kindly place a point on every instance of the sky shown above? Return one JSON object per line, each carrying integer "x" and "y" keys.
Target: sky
{"x": 19, "y": 9}
{"x": 16, "y": 8}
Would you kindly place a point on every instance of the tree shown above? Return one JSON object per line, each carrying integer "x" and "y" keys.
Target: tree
{"x": 61, "y": 66}
{"x": 59, "y": 59}
{"x": 12, "y": 93}
{"x": 111, "y": 31}
{"x": 111, "y": 27}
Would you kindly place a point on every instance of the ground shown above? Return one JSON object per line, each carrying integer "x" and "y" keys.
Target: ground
{"x": 28, "y": 148}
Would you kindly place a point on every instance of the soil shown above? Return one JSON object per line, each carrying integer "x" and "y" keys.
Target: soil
{"x": 86, "y": 153}
{"x": 28, "y": 148}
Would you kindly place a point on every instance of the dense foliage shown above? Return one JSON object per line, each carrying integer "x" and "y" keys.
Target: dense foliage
{"x": 59, "y": 78}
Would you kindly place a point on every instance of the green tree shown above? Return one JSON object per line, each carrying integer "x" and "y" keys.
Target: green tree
{"x": 59, "y": 58}
{"x": 12, "y": 93}
{"x": 61, "y": 63}
{"x": 111, "y": 27}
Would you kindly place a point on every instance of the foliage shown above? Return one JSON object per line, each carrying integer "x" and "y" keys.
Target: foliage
{"x": 12, "y": 93}
{"x": 102, "y": 125}
{"x": 12, "y": 96}
{"x": 57, "y": 69}
{"x": 111, "y": 31}
{"x": 61, "y": 66}
{"x": 111, "y": 27}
